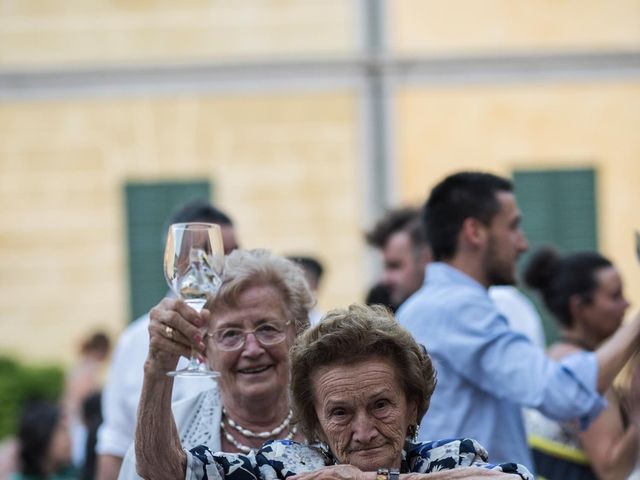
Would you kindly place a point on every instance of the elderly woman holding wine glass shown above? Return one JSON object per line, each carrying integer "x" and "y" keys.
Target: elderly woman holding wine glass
{"x": 262, "y": 304}
{"x": 360, "y": 385}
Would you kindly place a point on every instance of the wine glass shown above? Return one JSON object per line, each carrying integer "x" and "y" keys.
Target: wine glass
{"x": 193, "y": 260}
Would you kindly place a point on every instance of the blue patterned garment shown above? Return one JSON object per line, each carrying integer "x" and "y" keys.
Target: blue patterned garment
{"x": 280, "y": 459}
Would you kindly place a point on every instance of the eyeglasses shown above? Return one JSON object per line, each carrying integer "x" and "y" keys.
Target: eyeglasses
{"x": 267, "y": 334}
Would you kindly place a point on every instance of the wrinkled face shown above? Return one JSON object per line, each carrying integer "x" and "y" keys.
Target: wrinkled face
{"x": 403, "y": 271}
{"x": 603, "y": 315}
{"x": 253, "y": 371}
{"x": 506, "y": 242}
{"x": 363, "y": 412}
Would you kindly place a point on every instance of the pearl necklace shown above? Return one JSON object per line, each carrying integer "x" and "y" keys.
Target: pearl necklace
{"x": 249, "y": 434}
{"x": 245, "y": 448}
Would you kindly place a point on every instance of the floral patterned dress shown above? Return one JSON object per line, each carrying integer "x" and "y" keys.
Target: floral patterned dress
{"x": 280, "y": 459}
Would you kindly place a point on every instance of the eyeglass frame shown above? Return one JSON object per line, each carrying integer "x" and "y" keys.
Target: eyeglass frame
{"x": 247, "y": 332}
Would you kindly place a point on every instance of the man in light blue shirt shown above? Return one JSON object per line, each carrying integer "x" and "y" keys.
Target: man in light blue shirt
{"x": 487, "y": 371}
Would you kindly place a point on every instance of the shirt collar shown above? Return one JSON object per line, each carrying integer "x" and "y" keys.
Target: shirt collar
{"x": 440, "y": 272}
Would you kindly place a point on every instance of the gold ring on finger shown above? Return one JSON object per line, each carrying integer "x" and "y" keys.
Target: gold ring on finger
{"x": 169, "y": 332}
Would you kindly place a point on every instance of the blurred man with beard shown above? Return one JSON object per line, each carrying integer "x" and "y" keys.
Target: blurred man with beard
{"x": 401, "y": 239}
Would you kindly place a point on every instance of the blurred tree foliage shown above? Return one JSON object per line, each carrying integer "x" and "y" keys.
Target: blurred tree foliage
{"x": 20, "y": 384}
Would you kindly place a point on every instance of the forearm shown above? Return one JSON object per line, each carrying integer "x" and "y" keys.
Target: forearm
{"x": 108, "y": 467}
{"x": 618, "y": 461}
{"x": 159, "y": 453}
{"x": 616, "y": 351}
{"x": 466, "y": 473}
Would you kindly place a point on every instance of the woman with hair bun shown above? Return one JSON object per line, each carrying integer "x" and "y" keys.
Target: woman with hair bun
{"x": 584, "y": 292}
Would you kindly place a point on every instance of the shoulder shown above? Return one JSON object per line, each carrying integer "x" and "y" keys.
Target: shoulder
{"x": 509, "y": 298}
{"x": 288, "y": 457}
{"x": 464, "y": 306}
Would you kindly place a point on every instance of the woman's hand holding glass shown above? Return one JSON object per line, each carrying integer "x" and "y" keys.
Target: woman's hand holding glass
{"x": 175, "y": 330}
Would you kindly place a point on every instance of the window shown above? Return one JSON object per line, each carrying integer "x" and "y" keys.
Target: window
{"x": 559, "y": 209}
{"x": 149, "y": 206}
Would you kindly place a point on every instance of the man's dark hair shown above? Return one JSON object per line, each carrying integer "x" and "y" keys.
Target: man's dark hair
{"x": 379, "y": 294}
{"x": 199, "y": 211}
{"x": 98, "y": 343}
{"x": 309, "y": 264}
{"x": 456, "y": 198}
{"x": 397, "y": 220}
{"x": 196, "y": 211}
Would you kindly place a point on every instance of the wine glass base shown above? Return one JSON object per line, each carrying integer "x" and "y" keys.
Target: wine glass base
{"x": 193, "y": 373}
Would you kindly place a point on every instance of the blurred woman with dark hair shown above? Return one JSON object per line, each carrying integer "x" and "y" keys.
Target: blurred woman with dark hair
{"x": 584, "y": 292}
{"x": 44, "y": 444}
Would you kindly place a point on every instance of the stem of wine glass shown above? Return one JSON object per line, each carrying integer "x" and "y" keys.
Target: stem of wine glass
{"x": 197, "y": 304}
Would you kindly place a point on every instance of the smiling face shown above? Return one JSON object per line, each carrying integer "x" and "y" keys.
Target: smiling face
{"x": 363, "y": 412}
{"x": 253, "y": 372}
{"x": 506, "y": 242}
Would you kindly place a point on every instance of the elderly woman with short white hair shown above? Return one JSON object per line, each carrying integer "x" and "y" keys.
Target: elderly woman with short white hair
{"x": 262, "y": 305}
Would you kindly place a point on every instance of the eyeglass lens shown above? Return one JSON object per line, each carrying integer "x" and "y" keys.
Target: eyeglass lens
{"x": 234, "y": 338}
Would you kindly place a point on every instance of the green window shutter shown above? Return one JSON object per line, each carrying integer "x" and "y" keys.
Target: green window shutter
{"x": 149, "y": 205}
{"x": 558, "y": 209}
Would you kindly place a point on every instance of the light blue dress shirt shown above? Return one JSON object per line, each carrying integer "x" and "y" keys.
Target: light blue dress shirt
{"x": 486, "y": 371}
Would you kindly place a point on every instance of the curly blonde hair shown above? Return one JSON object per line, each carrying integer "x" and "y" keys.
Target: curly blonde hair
{"x": 253, "y": 268}
{"x": 345, "y": 336}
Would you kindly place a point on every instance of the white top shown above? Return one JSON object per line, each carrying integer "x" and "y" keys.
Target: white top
{"x": 520, "y": 312}
{"x": 121, "y": 392}
{"x": 198, "y": 422}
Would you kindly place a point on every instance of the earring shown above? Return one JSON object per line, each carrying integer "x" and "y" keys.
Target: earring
{"x": 412, "y": 432}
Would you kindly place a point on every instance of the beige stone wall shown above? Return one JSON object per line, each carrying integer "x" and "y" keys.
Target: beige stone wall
{"x": 36, "y": 33}
{"x": 282, "y": 165}
{"x": 438, "y": 27}
{"x": 287, "y": 164}
{"x": 504, "y": 128}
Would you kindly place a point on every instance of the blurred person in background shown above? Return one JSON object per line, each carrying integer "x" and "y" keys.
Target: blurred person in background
{"x": 92, "y": 419}
{"x": 251, "y": 323}
{"x": 313, "y": 272}
{"x": 124, "y": 382}
{"x": 405, "y": 252}
{"x": 633, "y": 401}
{"x": 44, "y": 444}
{"x": 487, "y": 372}
{"x": 400, "y": 235}
{"x": 379, "y": 294}
{"x": 83, "y": 380}
{"x": 584, "y": 292}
